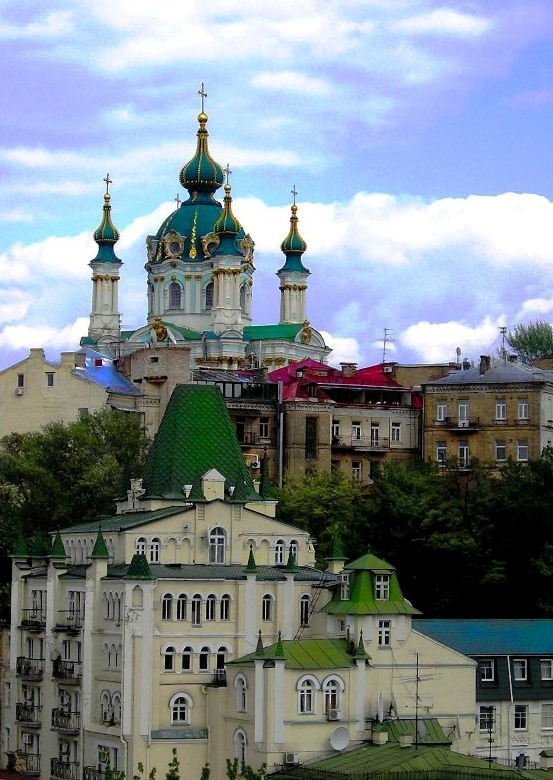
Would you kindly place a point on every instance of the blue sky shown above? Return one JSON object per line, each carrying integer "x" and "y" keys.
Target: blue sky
{"x": 417, "y": 133}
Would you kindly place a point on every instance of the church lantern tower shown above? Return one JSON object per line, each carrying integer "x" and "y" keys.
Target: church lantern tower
{"x": 293, "y": 274}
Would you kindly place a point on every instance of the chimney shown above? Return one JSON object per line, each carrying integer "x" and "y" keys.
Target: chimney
{"x": 348, "y": 369}
{"x": 80, "y": 360}
{"x": 485, "y": 362}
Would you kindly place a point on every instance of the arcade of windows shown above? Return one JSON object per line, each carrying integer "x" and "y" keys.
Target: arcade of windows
{"x": 332, "y": 689}
{"x": 182, "y": 660}
{"x": 217, "y": 542}
{"x": 200, "y": 608}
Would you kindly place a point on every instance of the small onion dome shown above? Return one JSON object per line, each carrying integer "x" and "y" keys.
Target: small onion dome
{"x": 293, "y": 245}
{"x": 106, "y": 235}
{"x": 202, "y": 173}
{"x": 227, "y": 224}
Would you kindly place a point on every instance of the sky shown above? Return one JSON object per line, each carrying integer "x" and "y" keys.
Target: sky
{"x": 417, "y": 133}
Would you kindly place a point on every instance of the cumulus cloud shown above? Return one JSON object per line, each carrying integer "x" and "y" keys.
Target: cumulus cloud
{"x": 37, "y": 264}
{"x": 18, "y": 336}
{"x": 438, "y": 341}
{"x": 14, "y": 304}
{"x": 444, "y": 21}
{"x": 290, "y": 81}
{"x": 56, "y": 24}
{"x": 344, "y": 349}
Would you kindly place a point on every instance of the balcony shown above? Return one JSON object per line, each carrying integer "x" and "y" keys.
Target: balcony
{"x": 64, "y": 770}
{"x": 68, "y": 672}
{"x": 219, "y": 677}
{"x": 460, "y": 425}
{"x": 30, "y": 668}
{"x": 66, "y": 722}
{"x": 249, "y": 439}
{"x": 93, "y": 773}
{"x": 365, "y": 443}
{"x": 33, "y": 619}
{"x": 28, "y": 714}
{"x": 70, "y": 621}
{"x": 28, "y": 763}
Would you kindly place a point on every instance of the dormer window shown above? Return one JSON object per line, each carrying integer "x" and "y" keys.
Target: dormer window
{"x": 344, "y": 586}
{"x": 382, "y": 587}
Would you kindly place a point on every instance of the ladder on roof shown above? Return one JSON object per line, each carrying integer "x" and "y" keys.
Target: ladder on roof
{"x": 313, "y": 603}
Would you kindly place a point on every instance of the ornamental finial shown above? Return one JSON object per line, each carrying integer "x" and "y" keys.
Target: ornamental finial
{"x": 108, "y": 181}
{"x": 227, "y": 171}
{"x": 203, "y": 94}
{"x": 294, "y": 193}
{"x": 178, "y": 200}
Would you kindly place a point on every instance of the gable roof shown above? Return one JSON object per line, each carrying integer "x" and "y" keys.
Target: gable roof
{"x": 307, "y": 654}
{"x": 491, "y": 637}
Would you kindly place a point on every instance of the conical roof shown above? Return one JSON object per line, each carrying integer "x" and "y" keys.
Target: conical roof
{"x": 106, "y": 234}
{"x": 227, "y": 224}
{"x": 294, "y": 246}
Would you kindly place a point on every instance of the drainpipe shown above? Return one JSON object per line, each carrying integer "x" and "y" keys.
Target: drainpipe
{"x": 509, "y": 707}
{"x": 280, "y": 433}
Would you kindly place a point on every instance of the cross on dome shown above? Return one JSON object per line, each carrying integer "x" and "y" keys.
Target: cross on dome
{"x": 178, "y": 200}
{"x": 227, "y": 171}
{"x": 294, "y": 193}
{"x": 203, "y": 94}
{"x": 108, "y": 181}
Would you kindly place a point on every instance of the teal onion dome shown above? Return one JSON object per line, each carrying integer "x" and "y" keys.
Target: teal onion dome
{"x": 293, "y": 245}
{"x": 106, "y": 236}
{"x": 227, "y": 224}
{"x": 201, "y": 173}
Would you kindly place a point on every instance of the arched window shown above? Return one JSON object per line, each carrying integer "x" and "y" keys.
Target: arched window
{"x": 217, "y": 542}
{"x": 117, "y": 606}
{"x": 118, "y": 656}
{"x": 221, "y": 657}
{"x": 105, "y": 603}
{"x": 210, "y": 607}
{"x": 307, "y": 687}
{"x": 154, "y": 551}
{"x": 181, "y": 607}
{"x": 332, "y": 692}
{"x": 141, "y": 546}
{"x": 106, "y": 656}
{"x": 179, "y": 707}
{"x": 116, "y": 707}
{"x": 169, "y": 659}
{"x": 243, "y": 299}
{"x": 240, "y": 746}
{"x": 241, "y": 689}
{"x": 279, "y": 552}
{"x": 224, "y": 612}
{"x": 267, "y": 607}
{"x": 209, "y": 296}
{"x": 294, "y": 549}
{"x": 196, "y": 609}
{"x": 175, "y": 295}
{"x": 167, "y": 607}
{"x": 203, "y": 661}
{"x": 187, "y": 654}
{"x": 105, "y": 706}
{"x": 304, "y": 610}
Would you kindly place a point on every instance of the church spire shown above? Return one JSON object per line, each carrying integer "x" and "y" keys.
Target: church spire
{"x": 293, "y": 274}
{"x": 106, "y": 234}
{"x": 201, "y": 173}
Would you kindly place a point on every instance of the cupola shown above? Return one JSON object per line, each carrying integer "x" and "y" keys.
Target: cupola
{"x": 201, "y": 173}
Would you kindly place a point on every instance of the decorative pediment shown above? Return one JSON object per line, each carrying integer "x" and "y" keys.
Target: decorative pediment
{"x": 173, "y": 244}
{"x": 246, "y": 247}
{"x": 209, "y": 242}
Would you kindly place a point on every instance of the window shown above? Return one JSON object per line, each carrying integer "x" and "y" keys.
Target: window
{"x": 384, "y": 633}
{"x": 356, "y": 469}
{"x": 241, "y": 693}
{"x": 501, "y": 409}
{"x": 154, "y": 551}
{"x": 240, "y": 747}
{"x": 311, "y": 437}
{"x": 294, "y": 549}
{"x": 217, "y": 543}
{"x": 486, "y": 719}
{"x": 547, "y": 716}
{"x": 21, "y": 380}
{"x": 522, "y": 450}
{"x": 209, "y": 296}
{"x": 49, "y": 379}
{"x": 196, "y": 610}
{"x": 335, "y": 429}
{"x": 263, "y": 427}
{"x": 375, "y": 434}
{"x": 546, "y": 666}
{"x": 175, "y": 295}
{"x": 169, "y": 659}
{"x": 267, "y": 607}
{"x": 332, "y": 689}
{"x": 344, "y": 586}
{"x": 141, "y": 546}
{"x": 487, "y": 669}
{"x": 500, "y": 450}
{"x": 523, "y": 409}
{"x": 105, "y": 706}
{"x": 396, "y": 432}
{"x": 116, "y": 708}
{"x": 463, "y": 454}
{"x": 224, "y": 607}
{"x": 306, "y": 697}
{"x": 441, "y": 411}
{"x": 441, "y": 452}
{"x": 181, "y": 607}
{"x": 180, "y": 706}
{"x": 210, "y": 607}
{"x": 203, "y": 663}
{"x": 243, "y": 291}
{"x": 382, "y": 587}
{"x": 221, "y": 657}
{"x": 520, "y": 669}
{"x": 463, "y": 414}
{"x": 186, "y": 663}
{"x": 167, "y": 607}
{"x": 279, "y": 552}
{"x": 521, "y": 717}
{"x": 356, "y": 430}
{"x": 304, "y": 610}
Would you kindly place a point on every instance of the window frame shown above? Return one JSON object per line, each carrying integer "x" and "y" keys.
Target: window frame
{"x": 523, "y": 409}
{"x": 500, "y": 450}
{"x": 486, "y": 718}
{"x": 217, "y": 544}
{"x": 155, "y": 550}
{"x": 546, "y": 719}
{"x": 523, "y": 451}
{"x": 384, "y": 632}
{"x": 441, "y": 411}
{"x": 307, "y": 688}
{"x": 520, "y": 714}
{"x": 180, "y": 705}
{"x": 267, "y": 607}
{"x": 382, "y": 587}
{"x": 520, "y": 669}
{"x": 224, "y": 607}
{"x": 305, "y": 603}
{"x": 546, "y": 664}
{"x": 395, "y": 433}
{"x": 167, "y": 606}
{"x": 487, "y": 669}
{"x": 182, "y": 606}
{"x": 501, "y": 409}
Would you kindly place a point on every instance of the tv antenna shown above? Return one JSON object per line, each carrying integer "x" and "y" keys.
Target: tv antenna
{"x": 388, "y": 334}
{"x": 503, "y": 331}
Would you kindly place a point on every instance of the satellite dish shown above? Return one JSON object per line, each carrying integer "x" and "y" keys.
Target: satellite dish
{"x": 393, "y": 706}
{"x": 339, "y": 739}
{"x": 379, "y": 707}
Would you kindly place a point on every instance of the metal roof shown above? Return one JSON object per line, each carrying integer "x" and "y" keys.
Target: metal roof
{"x": 491, "y": 637}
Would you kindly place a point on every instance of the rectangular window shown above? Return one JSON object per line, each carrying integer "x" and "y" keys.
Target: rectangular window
{"x": 547, "y": 716}
{"x": 263, "y": 427}
{"x": 501, "y": 409}
{"x": 356, "y": 430}
{"x": 485, "y": 718}
{"x": 310, "y": 437}
{"x": 396, "y": 432}
{"x": 463, "y": 414}
{"x": 382, "y": 587}
{"x": 240, "y": 423}
{"x": 375, "y": 434}
{"x": 49, "y": 379}
{"x": 384, "y": 633}
{"x": 335, "y": 429}
{"x": 500, "y": 450}
{"x": 520, "y": 669}
{"x": 441, "y": 452}
{"x": 521, "y": 717}
{"x": 441, "y": 411}
{"x": 487, "y": 669}
{"x": 522, "y": 450}
{"x": 21, "y": 380}
{"x": 523, "y": 409}
{"x": 464, "y": 457}
{"x": 546, "y": 665}
{"x": 356, "y": 469}
{"x": 344, "y": 586}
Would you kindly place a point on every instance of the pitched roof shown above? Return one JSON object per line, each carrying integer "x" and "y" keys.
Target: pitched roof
{"x": 196, "y": 435}
{"x": 308, "y": 653}
{"x": 491, "y": 637}
{"x": 499, "y": 372}
{"x": 233, "y": 571}
{"x": 125, "y": 522}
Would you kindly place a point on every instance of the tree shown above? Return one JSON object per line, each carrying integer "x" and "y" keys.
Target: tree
{"x": 531, "y": 341}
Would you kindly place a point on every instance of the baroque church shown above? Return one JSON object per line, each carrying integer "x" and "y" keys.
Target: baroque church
{"x": 200, "y": 267}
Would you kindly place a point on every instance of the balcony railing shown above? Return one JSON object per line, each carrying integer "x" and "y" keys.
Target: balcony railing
{"x": 459, "y": 424}
{"x": 375, "y": 443}
{"x": 219, "y": 677}
{"x": 27, "y": 714}
{"x": 66, "y": 722}
{"x": 70, "y": 620}
{"x": 64, "y": 770}
{"x": 33, "y": 619}
{"x": 251, "y": 439}
{"x": 67, "y": 671}
{"x": 30, "y": 668}
{"x": 30, "y": 761}
{"x": 93, "y": 773}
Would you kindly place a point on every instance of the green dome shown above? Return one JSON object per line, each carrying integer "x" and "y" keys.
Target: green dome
{"x": 106, "y": 236}
{"x": 294, "y": 246}
{"x": 201, "y": 173}
{"x": 227, "y": 224}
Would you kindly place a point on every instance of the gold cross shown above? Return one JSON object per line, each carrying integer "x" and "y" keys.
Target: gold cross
{"x": 227, "y": 171}
{"x": 108, "y": 181}
{"x": 203, "y": 94}
{"x": 294, "y": 193}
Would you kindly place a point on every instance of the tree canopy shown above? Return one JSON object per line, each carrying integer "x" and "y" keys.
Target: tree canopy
{"x": 531, "y": 341}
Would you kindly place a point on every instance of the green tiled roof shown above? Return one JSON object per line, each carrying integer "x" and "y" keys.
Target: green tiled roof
{"x": 215, "y": 571}
{"x": 20, "y": 549}
{"x": 139, "y": 568}
{"x": 433, "y": 732}
{"x": 125, "y": 522}
{"x": 100, "y": 550}
{"x": 308, "y": 653}
{"x": 285, "y": 332}
{"x": 58, "y": 550}
{"x": 196, "y": 435}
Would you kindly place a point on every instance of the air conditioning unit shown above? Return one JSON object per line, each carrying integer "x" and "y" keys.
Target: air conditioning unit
{"x": 255, "y": 464}
{"x": 27, "y": 739}
{"x": 253, "y": 460}
{"x": 291, "y": 758}
{"x": 19, "y": 390}
{"x": 333, "y": 715}
{"x": 388, "y": 369}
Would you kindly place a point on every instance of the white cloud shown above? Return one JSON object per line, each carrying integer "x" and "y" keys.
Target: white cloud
{"x": 535, "y": 306}
{"x": 57, "y": 24}
{"x": 344, "y": 349}
{"x": 292, "y": 81}
{"x": 18, "y": 336}
{"x": 438, "y": 341}
{"x": 444, "y": 21}
{"x": 52, "y": 259}
{"x": 14, "y": 304}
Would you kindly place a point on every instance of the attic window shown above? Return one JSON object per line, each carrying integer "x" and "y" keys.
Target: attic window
{"x": 382, "y": 587}
{"x": 98, "y": 362}
{"x": 344, "y": 586}
{"x": 154, "y": 359}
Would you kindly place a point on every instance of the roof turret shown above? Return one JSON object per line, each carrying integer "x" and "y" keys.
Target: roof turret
{"x": 227, "y": 225}
{"x": 201, "y": 173}
{"x": 100, "y": 550}
{"x": 293, "y": 245}
{"x": 58, "y": 550}
{"x": 106, "y": 234}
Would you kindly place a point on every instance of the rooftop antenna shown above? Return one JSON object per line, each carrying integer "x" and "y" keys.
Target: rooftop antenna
{"x": 388, "y": 333}
{"x": 503, "y": 331}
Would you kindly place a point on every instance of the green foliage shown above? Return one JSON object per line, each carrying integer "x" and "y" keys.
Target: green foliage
{"x": 206, "y": 771}
{"x": 173, "y": 769}
{"x": 531, "y": 341}
{"x": 234, "y": 769}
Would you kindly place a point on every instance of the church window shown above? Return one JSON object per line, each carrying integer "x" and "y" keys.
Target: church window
{"x": 344, "y": 586}
{"x": 267, "y": 607}
{"x": 210, "y": 607}
{"x": 304, "y": 610}
{"x": 279, "y": 552}
{"x": 187, "y": 659}
{"x": 169, "y": 659}
{"x": 203, "y": 662}
{"x": 224, "y": 612}
{"x": 209, "y": 296}
{"x": 240, "y": 747}
{"x": 217, "y": 543}
{"x": 243, "y": 299}
{"x": 175, "y": 295}
{"x": 306, "y": 696}
{"x": 241, "y": 693}
{"x": 382, "y": 587}
{"x": 116, "y": 708}
{"x": 105, "y": 706}
{"x": 181, "y": 607}
{"x": 311, "y": 437}
{"x": 332, "y": 690}
{"x": 196, "y": 609}
{"x": 221, "y": 657}
{"x": 154, "y": 550}
{"x": 141, "y": 546}
{"x": 180, "y": 706}
{"x": 167, "y": 607}
{"x": 294, "y": 549}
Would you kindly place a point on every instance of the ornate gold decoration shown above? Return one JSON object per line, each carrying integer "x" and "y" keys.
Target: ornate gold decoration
{"x": 306, "y": 333}
{"x": 192, "y": 254}
{"x": 246, "y": 247}
{"x": 173, "y": 278}
{"x": 173, "y": 244}
{"x": 159, "y": 329}
{"x": 209, "y": 243}
{"x": 151, "y": 247}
